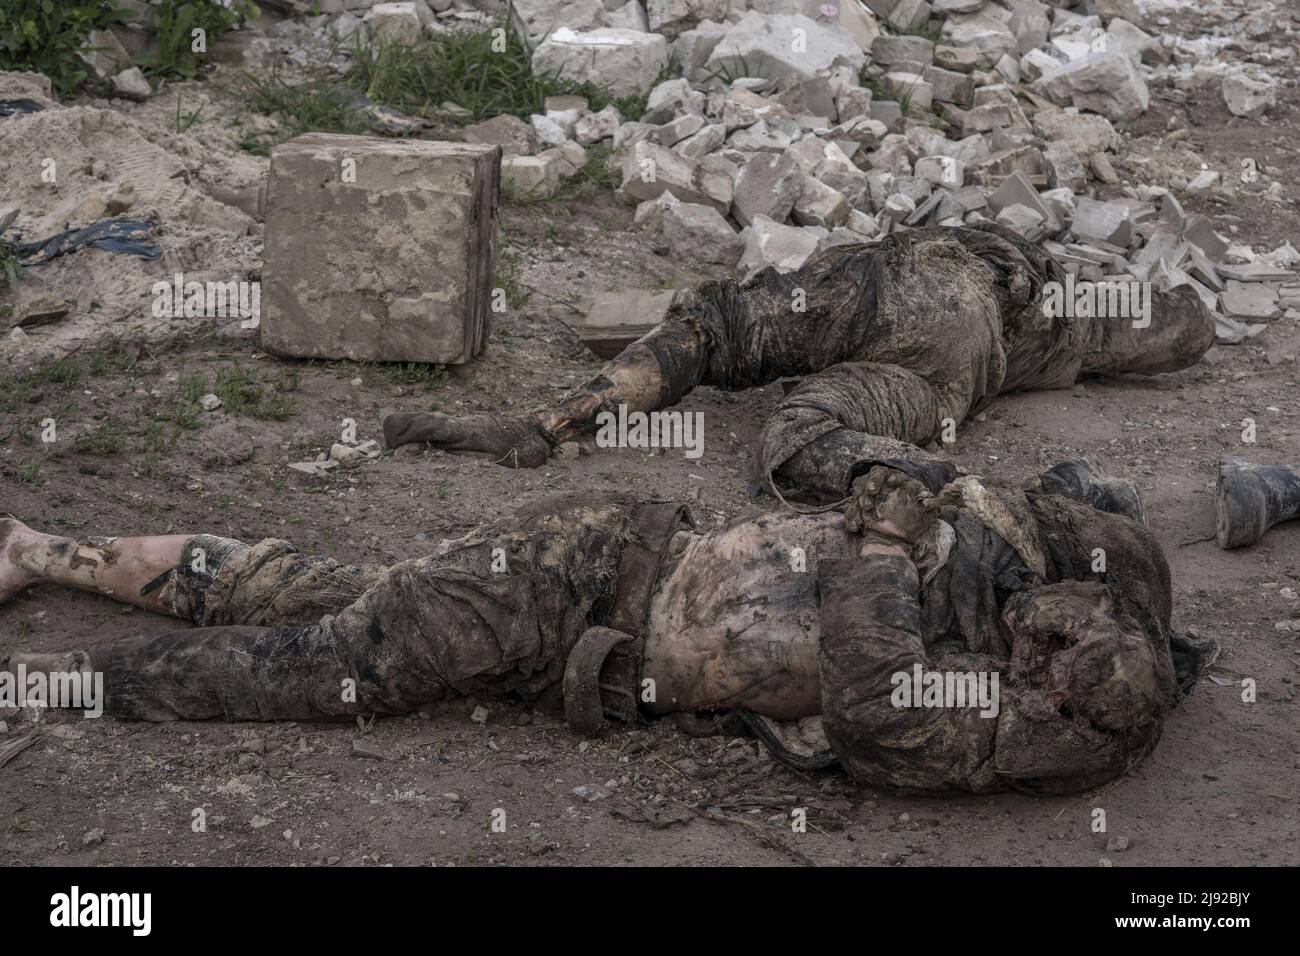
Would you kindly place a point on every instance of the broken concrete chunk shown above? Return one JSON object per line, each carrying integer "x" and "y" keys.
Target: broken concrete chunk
{"x": 955, "y": 58}
{"x": 674, "y": 16}
{"x": 650, "y": 169}
{"x": 778, "y": 45}
{"x": 547, "y": 131}
{"x": 768, "y": 186}
{"x": 950, "y": 86}
{"x": 1084, "y": 133}
{"x": 700, "y": 144}
{"x": 392, "y": 261}
{"x": 982, "y": 32}
{"x": 1017, "y": 190}
{"x": 617, "y": 319}
{"x": 1249, "y": 300}
{"x": 594, "y": 127}
{"x": 537, "y": 19}
{"x": 909, "y": 88}
{"x": 693, "y": 47}
{"x": 395, "y": 23}
{"x": 103, "y": 54}
{"x": 1106, "y": 222}
{"x": 1198, "y": 231}
{"x": 942, "y": 171}
{"x": 1064, "y": 168}
{"x": 624, "y": 62}
{"x": 671, "y": 99}
{"x": 512, "y": 134}
{"x": 1247, "y": 97}
{"x": 769, "y": 243}
{"x": 700, "y": 234}
{"x": 671, "y": 133}
{"x": 131, "y": 84}
{"x": 533, "y": 177}
{"x": 890, "y": 49}
{"x": 908, "y": 14}
{"x": 1106, "y": 83}
{"x": 820, "y": 205}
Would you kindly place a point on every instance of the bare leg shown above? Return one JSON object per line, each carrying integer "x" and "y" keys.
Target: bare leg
{"x": 121, "y": 568}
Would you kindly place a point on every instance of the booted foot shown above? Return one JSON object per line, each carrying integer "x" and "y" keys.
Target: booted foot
{"x": 1082, "y": 480}
{"x": 13, "y": 576}
{"x": 1250, "y": 499}
{"x": 518, "y": 443}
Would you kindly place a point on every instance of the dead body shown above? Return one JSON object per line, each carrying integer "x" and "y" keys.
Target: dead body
{"x": 889, "y": 341}
{"x": 785, "y": 616}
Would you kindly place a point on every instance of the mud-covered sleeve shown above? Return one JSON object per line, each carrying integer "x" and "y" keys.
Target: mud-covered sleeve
{"x": 871, "y": 646}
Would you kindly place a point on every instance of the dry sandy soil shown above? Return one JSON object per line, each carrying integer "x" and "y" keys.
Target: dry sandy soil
{"x": 1219, "y": 789}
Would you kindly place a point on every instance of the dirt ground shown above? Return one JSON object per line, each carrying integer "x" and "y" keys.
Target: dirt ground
{"x": 1219, "y": 789}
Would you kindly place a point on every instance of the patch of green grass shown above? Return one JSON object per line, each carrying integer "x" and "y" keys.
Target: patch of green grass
{"x": 484, "y": 71}
{"x": 173, "y": 30}
{"x": 44, "y": 36}
{"x": 10, "y": 269}
{"x": 242, "y": 394}
{"x": 319, "y": 104}
{"x": 507, "y": 280}
{"x": 184, "y": 120}
{"x": 30, "y": 473}
{"x": 102, "y": 441}
{"x": 729, "y": 70}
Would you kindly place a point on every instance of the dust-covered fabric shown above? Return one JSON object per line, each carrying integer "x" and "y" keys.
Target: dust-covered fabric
{"x": 495, "y": 612}
{"x": 892, "y": 341}
{"x": 1083, "y": 658}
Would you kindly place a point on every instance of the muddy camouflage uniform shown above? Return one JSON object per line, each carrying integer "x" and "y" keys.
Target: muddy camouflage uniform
{"x": 892, "y": 338}
{"x": 1087, "y": 672}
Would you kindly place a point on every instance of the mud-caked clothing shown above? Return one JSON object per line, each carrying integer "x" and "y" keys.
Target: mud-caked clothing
{"x": 285, "y": 635}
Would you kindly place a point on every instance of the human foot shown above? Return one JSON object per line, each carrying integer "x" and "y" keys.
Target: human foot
{"x": 14, "y": 577}
{"x": 518, "y": 443}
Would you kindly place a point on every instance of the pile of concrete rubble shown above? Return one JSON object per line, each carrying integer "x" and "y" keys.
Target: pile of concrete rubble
{"x": 798, "y": 126}
{"x": 776, "y": 128}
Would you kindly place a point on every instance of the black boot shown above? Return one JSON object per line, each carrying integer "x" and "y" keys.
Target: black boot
{"x": 1253, "y": 498}
{"x": 1082, "y": 480}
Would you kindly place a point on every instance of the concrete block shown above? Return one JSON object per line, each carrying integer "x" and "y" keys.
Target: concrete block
{"x": 389, "y": 257}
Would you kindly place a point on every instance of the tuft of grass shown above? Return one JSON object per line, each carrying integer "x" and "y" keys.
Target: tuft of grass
{"x": 507, "y": 280}
{"x": 242, "y": 394}
{"x": 174, "y": 26}
{"x": 319, "y": 104}
{"x": 483, "y": 71}
{"x": 44, "y": 36}
{"x": 10, "y": 269}
{"x": 102, "y": 441}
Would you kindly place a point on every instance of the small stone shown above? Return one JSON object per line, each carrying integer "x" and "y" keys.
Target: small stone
{"x": 1246, "y": 97}
{"x": 318, "y": 468}
{"x": 590, "y": 792}
{"x": 361, "y": 747}
{"x": 1117, "y": 844}
{"x": 210, "y": 402}
{"x": 131, "y": 84}
{"x": 480, "y": 715}
{"x": 93, "y": 837}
